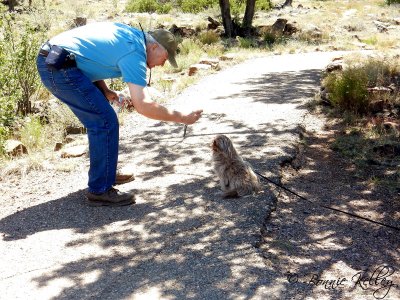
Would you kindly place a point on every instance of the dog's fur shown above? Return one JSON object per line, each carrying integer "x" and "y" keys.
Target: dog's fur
{"x": 236, "y": 176}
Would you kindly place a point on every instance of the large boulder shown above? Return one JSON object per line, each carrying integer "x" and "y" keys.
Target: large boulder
{"x": 182, "y": 31}
{"x": 75, "y": 151}
{"x": 14, "y": 148}
{"x": 193, "y": 69}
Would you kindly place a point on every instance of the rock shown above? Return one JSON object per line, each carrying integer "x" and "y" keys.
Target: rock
{"x": 182, "y": 31}
{"x": 75, "y": 151}
{"x": 360, "y": 45}
{"x": 213, "y": 62}
{"x": 38, "y": 106}
{"x": 380, "y": 89}
{"x": 395, "y": 127}
{"x": 336, "y": 58}
{"x": 193, "y": 69}
{"x": 228, "y": 56}
{"x": 377, "y": 106}
{"x": 334, "y": 66}
{"x": 382, "y": 27}
{"x": 80, "y": 21}
{"x": 219, "y": 31}
{"x": 263, "y": 29}
{"x": 396, "y": 21}
{"x": 392, "y": 87}
{"x": 278, "y": 27}
{"x": 213, "y": 24}
{"x": 387, "y": 150}
{"x": 58, "y": 146}
{"x": 168, "y": 79}
{"x": 77, "y": 139}
{"x": 324, "y": 96}
{"x": 41, "y": 109}
{"x": 313, "y": 31}
{"x": 14, "y": 148}
{"x": 290, "y": 29}
{"x": 349, "y": 13}
{"x": 72, "y": 129}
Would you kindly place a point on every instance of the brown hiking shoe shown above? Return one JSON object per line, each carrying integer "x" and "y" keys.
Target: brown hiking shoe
{"x": 122, "y": 178}
{"x": 112, "y": 197}
{"x": 124, "y": 175}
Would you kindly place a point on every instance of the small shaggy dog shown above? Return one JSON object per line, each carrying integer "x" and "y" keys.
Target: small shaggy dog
{"x": 236, "y": 176}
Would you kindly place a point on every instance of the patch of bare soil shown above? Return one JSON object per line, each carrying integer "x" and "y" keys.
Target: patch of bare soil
{"x": 326, "y": 254}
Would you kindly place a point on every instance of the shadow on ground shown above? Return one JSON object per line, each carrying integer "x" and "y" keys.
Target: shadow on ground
{"x": 182, "y": 241}
{"x": 313, "y": 243}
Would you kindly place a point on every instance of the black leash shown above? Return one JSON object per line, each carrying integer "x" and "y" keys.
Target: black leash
{"x": 328, "y": 207}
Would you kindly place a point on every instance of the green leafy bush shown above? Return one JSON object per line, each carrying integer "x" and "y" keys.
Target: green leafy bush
{"x": 32, "y": 133}
{"x": 19, "y": 79}
{"x": 389, "y": 2}
{"x": 348, "y": 90}
{"x": 378, "y": 73}
{"x": 246, "y": 42}
{"x": 189, "y": 46}
{"x": 192, "y": 6}
{"x": 209, "y": 37}
{"x": 148, "y": 6}
{"x": 263, "y": 5}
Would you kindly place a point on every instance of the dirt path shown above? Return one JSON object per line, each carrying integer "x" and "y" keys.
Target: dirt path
{"x": 180, "y": 240}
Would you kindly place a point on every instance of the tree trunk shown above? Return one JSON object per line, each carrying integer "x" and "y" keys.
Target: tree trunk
{"x": 287, "y": 3}
{"x": 12, "y": 4}
{"x": 226, "y": 17}
{"x": 248, "y": 16}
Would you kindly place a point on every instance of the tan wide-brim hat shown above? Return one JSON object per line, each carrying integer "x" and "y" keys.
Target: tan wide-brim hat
{"x": 166, "y": 39}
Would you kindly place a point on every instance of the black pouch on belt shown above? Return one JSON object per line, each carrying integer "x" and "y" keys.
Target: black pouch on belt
{"x": 57, "y": 57}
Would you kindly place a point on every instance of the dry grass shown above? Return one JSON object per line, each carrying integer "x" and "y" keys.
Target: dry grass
{"x": 343, "y": 24}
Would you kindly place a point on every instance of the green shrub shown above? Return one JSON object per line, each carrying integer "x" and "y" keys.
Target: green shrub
{"x": 269, "y": 38}
{"x": 189, "y": 46}
{"x": 190, "y": 52}
{"x": 214, "y": 49}
{"x": 193, "y": 6}
{"x": 4, "y": 134}
{"x": 148, "y": 6}
{"x": 378, "y": 72}
{"x": 32, "y": 133}
{"x": 209, "y": 37}
{"x": 348, "y": 90}
{"x": 19, "y": 79}
{"x": 389, "y": 2}
{"x": 263, "y": 5}
{"x": 246, "y": 42}
{"x": 373, "y": 40}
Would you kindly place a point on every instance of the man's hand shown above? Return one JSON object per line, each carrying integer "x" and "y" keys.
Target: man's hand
{"x": 192, "y": 117}
{"x": 140, "y": 99}
{"x": 111, "y": 95}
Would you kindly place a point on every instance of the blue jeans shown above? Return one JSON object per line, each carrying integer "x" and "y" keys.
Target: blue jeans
{"x": 95, "y": 112}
